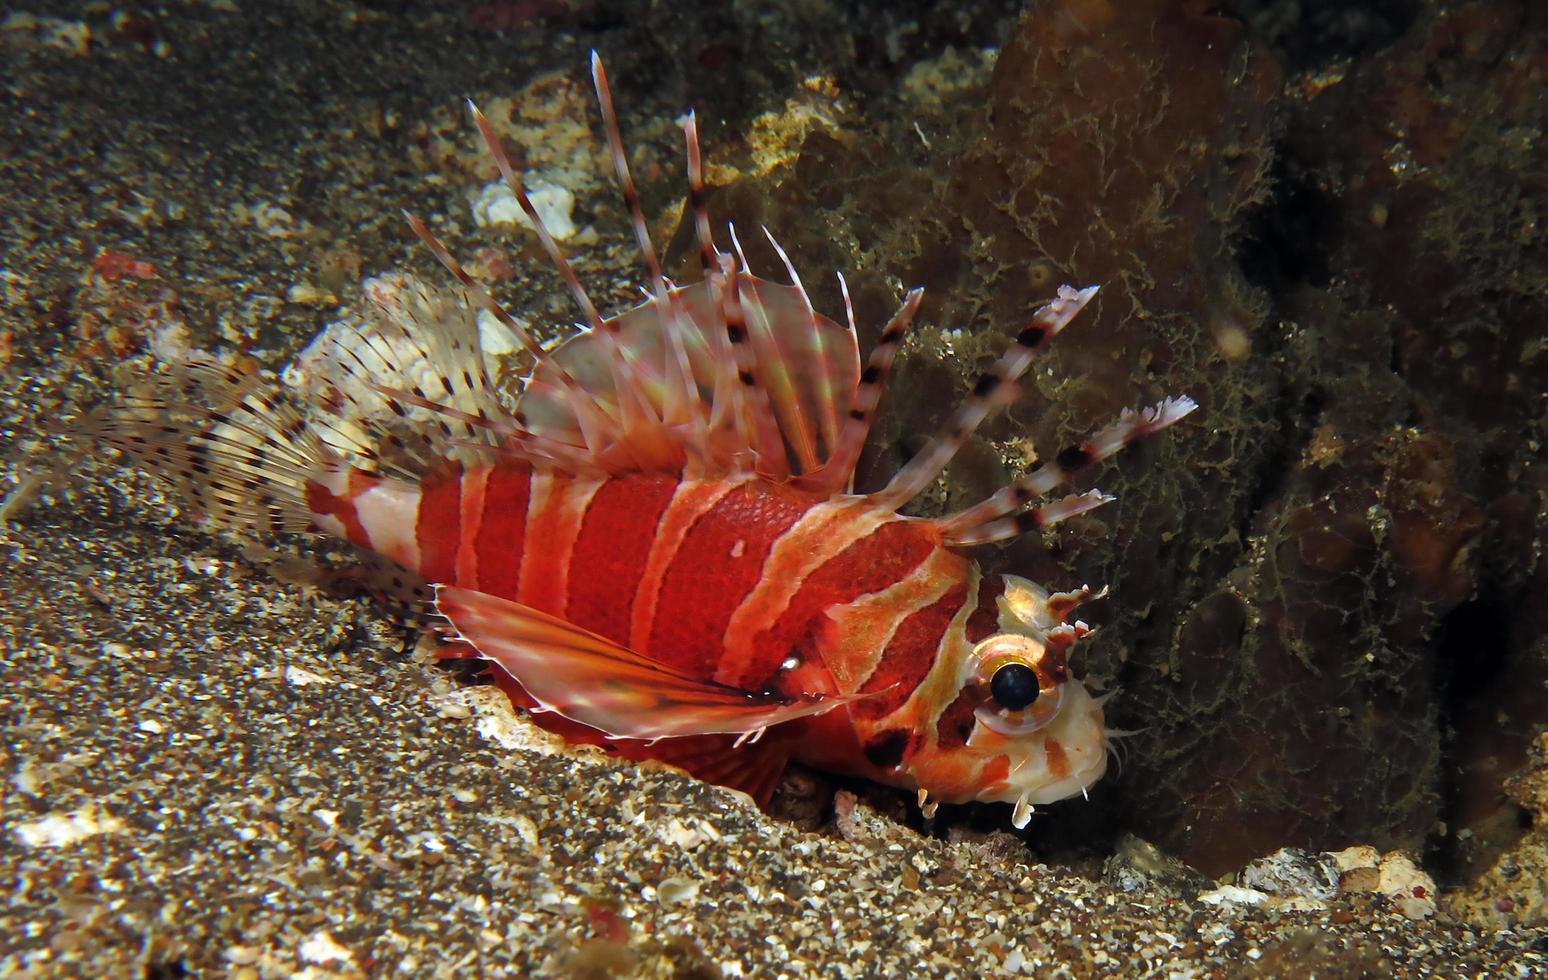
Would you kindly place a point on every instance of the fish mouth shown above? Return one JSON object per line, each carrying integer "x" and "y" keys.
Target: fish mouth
{"x": 1075, "y": 784}
{"x": 1060, "y": 762}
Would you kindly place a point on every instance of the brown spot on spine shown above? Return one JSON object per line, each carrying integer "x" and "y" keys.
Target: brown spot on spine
{"x": 1028, "y": 520}
{"x": 1074, "y": 457}
{"x": 986, "y": 385}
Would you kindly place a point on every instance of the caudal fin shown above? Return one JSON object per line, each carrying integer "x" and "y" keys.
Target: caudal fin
{"x": 231, "y": 445}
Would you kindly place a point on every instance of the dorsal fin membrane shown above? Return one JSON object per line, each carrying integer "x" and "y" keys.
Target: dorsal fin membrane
{"x": 819, "y": 374}
{"x": 648, "y": 390}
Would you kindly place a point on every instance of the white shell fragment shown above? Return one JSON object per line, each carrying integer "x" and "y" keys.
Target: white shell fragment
{"x": 555, "y": 204}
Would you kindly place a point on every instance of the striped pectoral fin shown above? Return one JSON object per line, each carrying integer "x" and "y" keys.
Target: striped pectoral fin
{"x": 592, "y": 680}
{"x": 725, "y": 760}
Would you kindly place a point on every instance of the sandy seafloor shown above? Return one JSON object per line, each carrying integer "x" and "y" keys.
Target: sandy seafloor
{"x": 211, "y": 769}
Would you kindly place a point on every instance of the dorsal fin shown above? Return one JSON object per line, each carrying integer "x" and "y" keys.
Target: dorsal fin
{"x": 811, "y": 363}
{"x": 732, "y": 375}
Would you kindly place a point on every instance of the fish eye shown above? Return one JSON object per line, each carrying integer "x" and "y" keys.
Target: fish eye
{"x": 1021, "y": 680}
{"x": 1014, "y": 686}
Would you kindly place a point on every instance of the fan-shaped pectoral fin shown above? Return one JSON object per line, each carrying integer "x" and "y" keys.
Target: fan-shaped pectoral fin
{"x": 592, "y": 680}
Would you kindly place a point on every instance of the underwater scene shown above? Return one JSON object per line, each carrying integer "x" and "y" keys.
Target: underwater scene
{"x": 581, "y": 488}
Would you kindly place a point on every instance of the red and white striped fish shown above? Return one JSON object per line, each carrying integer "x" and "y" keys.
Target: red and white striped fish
{"x": 656, "y": 548}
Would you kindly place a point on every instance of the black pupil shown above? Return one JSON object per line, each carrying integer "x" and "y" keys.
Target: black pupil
{"x": 1014, "y": 686}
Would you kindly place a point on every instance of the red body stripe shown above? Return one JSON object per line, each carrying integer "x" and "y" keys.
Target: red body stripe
{"x": 720, "y": 561}
{"x": 881, "y": 558}
{"x": 502, "y": 534}
{"x": 610, "y": 551}
{"x": 325, "y": 503}
{"x": 439, "y": 526}
{"x": 910, "y": 655}
{"x": 985, "y": 620}
{"x": 1057, "y": 760}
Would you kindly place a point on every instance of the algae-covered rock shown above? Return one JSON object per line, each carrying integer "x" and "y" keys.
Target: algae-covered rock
{"x": 1313, "y": 579}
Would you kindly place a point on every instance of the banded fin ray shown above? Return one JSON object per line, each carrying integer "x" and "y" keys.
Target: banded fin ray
{"x": 240, "y": 452}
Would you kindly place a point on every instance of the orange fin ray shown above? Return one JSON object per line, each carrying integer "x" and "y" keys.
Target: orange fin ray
{"x": 592, "y": 680}
{"x": 752, "y": 769}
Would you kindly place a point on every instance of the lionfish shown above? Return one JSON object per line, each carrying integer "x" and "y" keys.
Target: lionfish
{"x": 656, "y": 547}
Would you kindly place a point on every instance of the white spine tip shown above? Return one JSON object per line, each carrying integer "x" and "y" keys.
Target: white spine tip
{"x": 1022, "y": 815}
{"x": 1082, "y": 296}
{"x": 1181, "y": 406}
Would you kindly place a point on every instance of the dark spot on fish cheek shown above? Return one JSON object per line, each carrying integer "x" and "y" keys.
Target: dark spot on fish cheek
{"x": 886, "y": 750}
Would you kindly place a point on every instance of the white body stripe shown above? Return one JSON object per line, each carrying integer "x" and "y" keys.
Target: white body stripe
{"x": 474, "y": 482}
{"x": 927, "y": 702}
{"x": 389, "y": 513}
{"x": 820, "y": 535}
{"x": 858, "y": 632}
{"x": 555, "y": 509}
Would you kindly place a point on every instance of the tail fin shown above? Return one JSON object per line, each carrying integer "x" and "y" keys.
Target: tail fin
{"x": 233, "y": 447}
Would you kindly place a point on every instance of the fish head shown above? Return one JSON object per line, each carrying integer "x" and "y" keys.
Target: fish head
{"x": 1006, "y": 721}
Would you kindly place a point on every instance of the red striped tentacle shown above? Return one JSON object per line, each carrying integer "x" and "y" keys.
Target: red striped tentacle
{"x": 798, "y": 428}
{"x": 727, "y": 401}
{"x": 1031, "y": 520}
{"x": 708, "y": 253}
{"x": 840, "y": 470}
{"x": 994, "y": 387}
{"x": 636, "y": 417}
{"x": 681, "y": 399}
{"x": 772, "y": 376}
{"x": 765, "y": 440}
{"x": 986, "y": 521}
{"x": 979, "y": 524}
